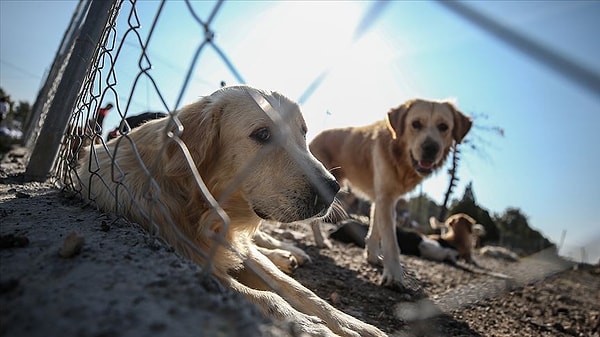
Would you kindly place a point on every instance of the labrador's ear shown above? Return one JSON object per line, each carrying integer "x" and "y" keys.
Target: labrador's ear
{"x": 197, "y": 130}
{"x": 462, "y": 124}
{"x": 452, "y": 221}
{"x": 396, "y": 119}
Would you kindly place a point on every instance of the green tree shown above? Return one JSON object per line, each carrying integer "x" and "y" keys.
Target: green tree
{"x": 517, "y": 234}
{"x": 22, "y": 112}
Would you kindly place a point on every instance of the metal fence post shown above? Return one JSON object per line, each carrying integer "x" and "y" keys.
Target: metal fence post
{"x": 48, "y": 143}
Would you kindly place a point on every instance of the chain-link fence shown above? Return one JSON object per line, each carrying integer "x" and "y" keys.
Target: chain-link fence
{"x": 115, "y": 69}
{"x": 112, "y": 55}
{"x": 107, "y": 58}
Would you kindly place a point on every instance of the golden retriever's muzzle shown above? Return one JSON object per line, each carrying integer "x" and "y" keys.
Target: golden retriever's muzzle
{"x": 429, "y": 156}
{"x": 324, "y": 193}
{"x": 314, "y": 200}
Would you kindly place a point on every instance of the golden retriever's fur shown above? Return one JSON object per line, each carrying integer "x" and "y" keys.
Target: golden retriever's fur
{"x": 387, "y": 159}
{"x": 249, "y": 148}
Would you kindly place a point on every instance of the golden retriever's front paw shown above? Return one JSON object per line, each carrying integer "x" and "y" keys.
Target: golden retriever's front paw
{"x": 363, "y": 331}
{"x": 352, "y": 327}
{"x": 299, "y": 254}
{"x": 284, "y": 260}
{"x": 311, "y": 326}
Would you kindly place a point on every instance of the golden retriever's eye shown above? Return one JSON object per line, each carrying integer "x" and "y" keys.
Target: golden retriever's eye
{"x": 262, "y": 135}
{"x": 417, "y": 125}
{"x": 443, "y": 127}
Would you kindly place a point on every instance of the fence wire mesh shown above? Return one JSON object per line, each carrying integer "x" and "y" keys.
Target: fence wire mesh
{"x": 123, "y": 73}
{"x": 102, "y": 84}
{"x": 108, "y": 77}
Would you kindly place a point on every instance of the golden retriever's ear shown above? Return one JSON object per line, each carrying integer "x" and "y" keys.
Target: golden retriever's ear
{"x": 396, "y": 118}
{"x": 200, "y": 134}
{"x": 462, "y": 124}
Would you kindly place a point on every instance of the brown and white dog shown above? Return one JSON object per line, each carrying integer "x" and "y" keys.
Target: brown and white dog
{"x": 460, "y": 231}
{"x": 387, "y": 159}
{"x": 247, "y": 147}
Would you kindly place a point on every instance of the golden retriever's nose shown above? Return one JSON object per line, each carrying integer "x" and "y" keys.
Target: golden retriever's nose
{"x": 325, "y": 191}
{"x": 334, "y": 188}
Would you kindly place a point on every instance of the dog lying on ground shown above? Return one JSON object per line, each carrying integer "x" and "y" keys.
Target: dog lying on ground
{"x": 285, "y": 256}
{"x": 460, "y": 231}
{"x": 247, "y": 148}
{"x": 409, "y": 241}
{"x": 453, "y": 244}
{"x": 478, "y": 229}
{"x": 387, "y": 159}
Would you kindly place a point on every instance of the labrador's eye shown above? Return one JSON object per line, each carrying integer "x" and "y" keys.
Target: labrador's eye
{"x": 417, "y": 125}
{"x": 262, "y": 135}
{"x": 443, "y": 127}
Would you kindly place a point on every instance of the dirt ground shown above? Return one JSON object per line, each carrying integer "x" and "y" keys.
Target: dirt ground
{"x": 545, "y": 296}
{"x": 122, "y": 282}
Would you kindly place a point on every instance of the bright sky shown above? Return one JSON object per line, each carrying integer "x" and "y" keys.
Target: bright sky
{"x": 545, "y": 165}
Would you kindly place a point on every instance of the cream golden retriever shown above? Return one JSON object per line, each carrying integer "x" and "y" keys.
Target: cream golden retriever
{"x": 387, "y": 159}
{"x": 249, "y": 151}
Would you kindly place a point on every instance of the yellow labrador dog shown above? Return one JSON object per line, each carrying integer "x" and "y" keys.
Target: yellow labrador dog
{"x": 387, "y": 159}
{"x": 248, "y": 148}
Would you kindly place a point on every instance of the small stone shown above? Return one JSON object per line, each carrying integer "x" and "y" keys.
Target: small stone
{"x": 72, "y": 245}
{"x": 335, "y": 298}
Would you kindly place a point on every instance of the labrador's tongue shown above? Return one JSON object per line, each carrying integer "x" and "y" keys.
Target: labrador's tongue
{"x": 426, "y": 164}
